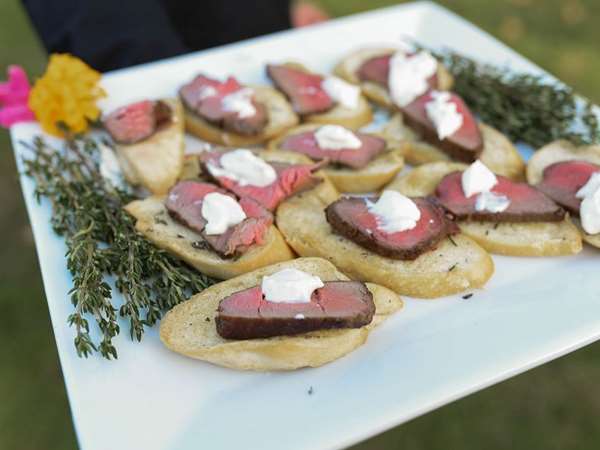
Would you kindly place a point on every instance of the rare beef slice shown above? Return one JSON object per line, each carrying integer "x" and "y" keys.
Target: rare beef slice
{"x": 377, "y": 70}
{"x": 204, "y": 96}
{"x": 562, "y": 180}
{"x": 291, "y": 179}
{"x": 351, "y": 218}
{"x": 302, "y": 88}
{"x": 466, "y": 144}
{"x": 527, "y": 204}
{"x": 338, "y": 304}
{"x": 138, "y": 121}
{"x": 184, "y": 203}
{"x": 355, "y": 158}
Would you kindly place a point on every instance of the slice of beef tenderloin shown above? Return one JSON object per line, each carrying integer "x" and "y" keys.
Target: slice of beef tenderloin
{"x": 350, "y": 217}
{"x": 355, "y": 158}
{"x": 377, "y": 70}
{"x": 338, "y": 304}
{"x": 562, "y": 180}
{"x": 184, "y": 204}
{"x": 291, "y": 179}
{"x": 138, "y": 121}
{"x": 527, "y": 204}
{"x": 302, "y": 88}
{"x": 204, "y": 96}
{"x": 466, "y": 144}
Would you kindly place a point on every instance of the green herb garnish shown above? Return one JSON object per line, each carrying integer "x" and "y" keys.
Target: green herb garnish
{"x": 525, "y": 107}
{"x": 101, "y": 241}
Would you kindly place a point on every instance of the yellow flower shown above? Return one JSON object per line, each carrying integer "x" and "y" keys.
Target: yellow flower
{"x": 66, "y": 94}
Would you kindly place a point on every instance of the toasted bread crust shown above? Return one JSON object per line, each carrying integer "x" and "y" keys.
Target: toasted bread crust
{"x": 190, "y": 329}
{"x": 373, "y": 177}
{"x": 280, "y": 113}
{"x": 156, "y": 163}
{"x": 514, "y": 239}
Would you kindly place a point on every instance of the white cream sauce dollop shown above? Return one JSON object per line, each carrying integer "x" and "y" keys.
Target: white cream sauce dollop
{"x": 478, "y": 179}
{"x": 290, "y": 286}
{"x": 245, "y": 168}
{"x": 220, "y": 212}
{"x": 394, "y": 212}
{"x": 408, "y": 76}
{"x": 336, "y": 137}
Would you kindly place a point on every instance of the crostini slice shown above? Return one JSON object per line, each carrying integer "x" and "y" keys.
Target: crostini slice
{"x": 154, "y": 161}
{"x": 189, "y": 328}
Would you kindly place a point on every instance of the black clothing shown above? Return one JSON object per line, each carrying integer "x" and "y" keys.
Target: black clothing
{"x": 110, "y": 34}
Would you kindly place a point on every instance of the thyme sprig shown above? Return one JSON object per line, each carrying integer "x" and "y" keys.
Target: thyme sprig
{"x": 102, "y": 242}
{"x": 523, "y": 106}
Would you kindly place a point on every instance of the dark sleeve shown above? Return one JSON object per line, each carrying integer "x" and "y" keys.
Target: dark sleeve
{"x": 107, "y": 34}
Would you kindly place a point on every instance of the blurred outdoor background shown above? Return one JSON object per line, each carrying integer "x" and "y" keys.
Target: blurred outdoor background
{"x": 554, "y": 407}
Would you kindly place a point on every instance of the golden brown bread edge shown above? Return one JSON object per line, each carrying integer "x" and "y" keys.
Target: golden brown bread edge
{"x": 189, "y": 328}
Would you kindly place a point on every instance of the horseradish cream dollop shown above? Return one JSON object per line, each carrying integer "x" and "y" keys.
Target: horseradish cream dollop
{"x": 590, "y": 206}
{"x": 408, "y": 76}
{"x": 478, "y": 179}
{"x": 342, "y": 92}
{"x": 245, "y": 168}
{"x": 336, "y": 137}
{"x": 240, "y": 102}
{"x": 207, "y": 92}
{"x": 395, "y": 212}
{"x": 444, "y": 114}
{"x": 290, "y": 286}
{"x": 220, "y": 212}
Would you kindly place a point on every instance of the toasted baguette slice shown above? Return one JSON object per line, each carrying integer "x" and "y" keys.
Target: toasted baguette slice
{"x": 156, "y": 162}
{"x": 280, "y": 113}
{"x": 154, "y": 222}
{"x": 348, "y": 67}
{"x": 513, "y": 239}
{"x": 190, "y": 329}
{"x": 371, "y": 178}
{"x": 499, "y": 154}
{"x": 456, "y": 265}
{"x": 559, "y": 151}
{"x": 339, "y": 115}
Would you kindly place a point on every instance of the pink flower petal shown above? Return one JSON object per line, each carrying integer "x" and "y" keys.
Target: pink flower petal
{"x": 14, "y": 95}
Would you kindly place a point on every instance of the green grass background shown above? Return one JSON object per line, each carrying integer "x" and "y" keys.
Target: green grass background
{"x": 556, "y": 406}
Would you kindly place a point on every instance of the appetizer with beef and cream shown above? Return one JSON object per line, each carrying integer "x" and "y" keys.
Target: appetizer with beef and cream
{"x": 571, "y": 176}
{"x": 229, "y": 113}
{"x": 503, "y": 216}
{"x": 149, "y": 141}
{"x": 321, "y": 99}
{"x": 300, "y": 313}
{"x": 358, "y": 161}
